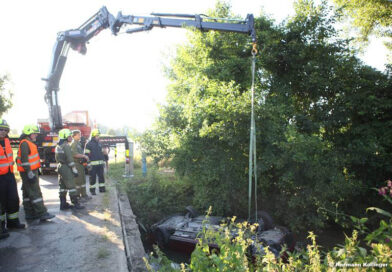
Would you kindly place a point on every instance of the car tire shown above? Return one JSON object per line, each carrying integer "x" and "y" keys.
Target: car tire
{"x": 191, "y": 212}
{"x": 288, "y": 238}
{"x": 161, "y": 237}
{"x": 267, "y": 221}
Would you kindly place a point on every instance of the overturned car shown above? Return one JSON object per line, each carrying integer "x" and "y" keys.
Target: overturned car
{"x": 180, "y": 232}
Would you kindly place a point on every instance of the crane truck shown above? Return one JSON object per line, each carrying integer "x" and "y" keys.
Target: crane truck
{"x": 78, "y": 38}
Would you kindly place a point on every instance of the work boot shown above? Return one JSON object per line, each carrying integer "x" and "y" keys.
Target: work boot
{"x": 86, "y": 197}
{"x": 93, "y": 192}
{"x": 102, "y": 189}
{"x": 15, "y": 224}
{"x": 4, "y": 235}
{"x": 30, "y": 217}
{"x": 82, "y": 200}
{"x": 3, "y": 232}
{"x": 63, "y": 203}
{"x": 46, "y": 216}
{"x": 76, "y": 204}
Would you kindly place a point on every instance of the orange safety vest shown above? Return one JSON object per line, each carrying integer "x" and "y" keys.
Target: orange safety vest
{"x": 34, "y": 160}
{"x": 6, "y": 158}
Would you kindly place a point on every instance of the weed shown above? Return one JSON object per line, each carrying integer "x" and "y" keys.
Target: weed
{"x": 102, "y": 253}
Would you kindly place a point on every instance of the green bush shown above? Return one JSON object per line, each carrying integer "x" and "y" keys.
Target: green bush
{"x": 158, "y": 195}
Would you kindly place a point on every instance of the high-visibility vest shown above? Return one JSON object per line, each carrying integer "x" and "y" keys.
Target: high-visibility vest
{"x": 34, "y": 160}
{"x": 6, "y": 158}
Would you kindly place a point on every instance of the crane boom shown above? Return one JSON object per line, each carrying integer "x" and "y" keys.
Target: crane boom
{"x": 76, "y": 39}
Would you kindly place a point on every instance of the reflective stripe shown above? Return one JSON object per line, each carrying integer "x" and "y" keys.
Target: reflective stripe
{"x": 71, "y": 164}
{"x": 63, "y": 190}
{"x": 102, "y": 185}
{"x": 6, "y": 158}
{"x": 72, "y": 191}
{"x": 26, "y": 199}
{"x": 12, "y": 215}
{"x": 2, "y": 217}
{"x": 34, "y": 163}
{"x": 77, "y": 187}
{"x": 87, "y": 151}
{"x": 29, "y": 164}
{"x": 97, "y": 162}
{"x": 84, "y": 186}
{"x": 32, "y": 157}
{"x": 37, "y": 200}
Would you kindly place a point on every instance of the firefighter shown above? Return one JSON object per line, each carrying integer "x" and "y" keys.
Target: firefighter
{"x": 94, "y": 151}
{"x": 9, "y": 199}
{"x": 67, "y": 171}
{"x": 80, "y": 159}
{"x": 28, "y": 163}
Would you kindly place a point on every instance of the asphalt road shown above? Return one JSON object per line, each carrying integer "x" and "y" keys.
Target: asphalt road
{"x": 83, "y": 240}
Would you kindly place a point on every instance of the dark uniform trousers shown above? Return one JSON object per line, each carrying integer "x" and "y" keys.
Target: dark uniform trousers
{"x": 33, "y": 202}
{"x": 9, "y": 199}
{"x": 97, "y": 170}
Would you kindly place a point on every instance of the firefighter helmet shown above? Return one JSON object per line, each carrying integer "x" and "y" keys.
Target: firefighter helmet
{"x": 64, "y": 133}
{"x": 30, "y": 129}
{"x": 75, "y": 131}
{"x": 4, "y": 124}
{"x": 95, "y": 132}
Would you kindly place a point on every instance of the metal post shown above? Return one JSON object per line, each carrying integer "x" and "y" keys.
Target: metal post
{"x": 131, "y": 159}
{"x": 144, "y": 165}
{"x": 128, "y": 160}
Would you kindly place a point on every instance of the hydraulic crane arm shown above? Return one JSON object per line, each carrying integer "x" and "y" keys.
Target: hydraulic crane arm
{"x": 197, "y": 21}
{"x": 77, "y": 39}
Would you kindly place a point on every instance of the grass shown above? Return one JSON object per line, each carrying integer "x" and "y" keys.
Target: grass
{"x": 102, "y": 253}
{"x": 156, "y": 196}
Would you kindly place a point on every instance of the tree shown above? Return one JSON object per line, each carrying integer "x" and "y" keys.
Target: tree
{"x": 369, "y": 16}
{"x": 322, "y": 118}
{"x": 5, "y": 94}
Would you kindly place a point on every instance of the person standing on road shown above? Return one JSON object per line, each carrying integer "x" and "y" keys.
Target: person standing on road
{"x": 93, "y": 150}
{"x": 28, "y": 163}
{"x": 79, "y": 158}
{"x": 9, "y": 198}
{"x": 67, "y": 171}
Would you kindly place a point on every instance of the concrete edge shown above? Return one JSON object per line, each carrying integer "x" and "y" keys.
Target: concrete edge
{"x": 133, "y": 245}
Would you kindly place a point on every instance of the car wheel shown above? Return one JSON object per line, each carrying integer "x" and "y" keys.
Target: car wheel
{"x": 161, "y": 237}
{"x": 268, "y": 222}
{"x": 191, "y": 212}
{"x": 288, "y": 238}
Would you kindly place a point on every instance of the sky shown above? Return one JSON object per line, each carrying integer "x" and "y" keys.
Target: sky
{"x": 120, "y": 80}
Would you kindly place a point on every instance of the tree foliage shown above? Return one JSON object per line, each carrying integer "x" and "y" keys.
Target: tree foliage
{"x": 322, "y": 117}
{"x": 369, "y": 16}
{"x": 5, "y": 95}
